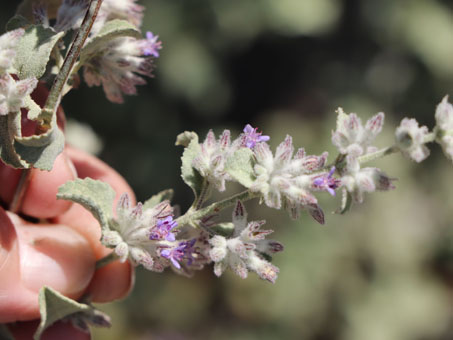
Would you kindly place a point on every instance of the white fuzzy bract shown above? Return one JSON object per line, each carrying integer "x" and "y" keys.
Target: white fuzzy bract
{"x": 8, "y": 43}
{"x": 410, "y": 139}
{"x": 351, "y": 137}
{"x": 13, "y": 93}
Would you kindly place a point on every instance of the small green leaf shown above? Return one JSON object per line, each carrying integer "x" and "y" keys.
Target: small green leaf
{"x": 33, "y": 51}
{"x": 112, "y": 29}
{"x": 34, "y": 110}
{"x": 9, "y": 128}
{"x": 346, "y": 202}
{"x": 184, "y": 138}
{"x": 17, "y": 21}
{"x": 54, "y": 306}
{"x": 189, "y": 174}
{"x": 41, "y": 150}
{"x": 96, "y": 196}
{"x": 156, "y": 199}
{"x": 240, "y": 166}
{"x": 224, "y": 229}
{"x": 5, "y": 334}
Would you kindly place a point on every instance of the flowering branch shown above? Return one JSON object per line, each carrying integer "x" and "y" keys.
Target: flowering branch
{"x": 53, "y": 100}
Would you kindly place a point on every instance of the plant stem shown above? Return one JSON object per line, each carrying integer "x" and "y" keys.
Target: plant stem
{"x": 106, "y": 260}
{"x": 53, "y": 100}
{"x": 193, "y": 215}
{"x": 378, "y": 154}
{"x": 430, "y": 137}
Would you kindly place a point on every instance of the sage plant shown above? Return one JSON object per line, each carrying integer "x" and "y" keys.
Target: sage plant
{"x": 109, "y": 50}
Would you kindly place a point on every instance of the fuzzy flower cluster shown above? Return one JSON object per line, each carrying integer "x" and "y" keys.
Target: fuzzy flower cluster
{"x": 140, "y": 234}
{"x": 410, "y": 137}
{"x": 246, "y": 250}
{"x": 354, "y": 140}
{"x": 289, "y": 181}
{"x": 282, "y": 180}
{"x": 12, "y": 92}
{"x": 147, "y": 236}
{"x": 119, "y": 63}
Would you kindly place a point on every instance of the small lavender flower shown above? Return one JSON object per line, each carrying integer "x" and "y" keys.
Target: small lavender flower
{"x": 444, "y": 126}
{"x": 251, "y": 137}
{"x": 163, "y": 228}
{"x": 284, "y": 180}
{"x": 151, "y": 46}
{"x": 326, "y": 182}
{"x": 410, "y": 139}
{"x": 183, "y": 251}
{"x": 13, "y": 93}
{"x": 243, "y": 252}
{"x": 351, "y": 137}
{"x": 8, "y": 43}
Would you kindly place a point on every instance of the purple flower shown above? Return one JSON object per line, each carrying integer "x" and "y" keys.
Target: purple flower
{"x": 176, "y": 254}
{"x": 327, "y": 182}
{"x": 162, "y": 230}
{"x": 251, "y": 137}
{"x": 151, "y": 45}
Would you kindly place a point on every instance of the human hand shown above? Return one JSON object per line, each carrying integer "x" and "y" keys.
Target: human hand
{"x": 60, "y": 251}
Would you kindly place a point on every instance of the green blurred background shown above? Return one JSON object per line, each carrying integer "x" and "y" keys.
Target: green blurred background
{"x": 384, "y": 271}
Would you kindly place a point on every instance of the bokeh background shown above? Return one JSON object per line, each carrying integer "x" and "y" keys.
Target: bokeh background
{"x": 384, "y": 271}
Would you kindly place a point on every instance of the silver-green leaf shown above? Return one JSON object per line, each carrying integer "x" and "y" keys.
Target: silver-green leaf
{"x": 33, "y": 51}
{"x": 94, "y": 195}
{"x": 156, "y": 199}
{"x": 188, "y": 173}
{"x": 112, "y": 29}
{"x": 54, "y": 306}
{"x": 240, "y": 166}
{"x": 9, "y": 128}
{"x": 41, "y": 150}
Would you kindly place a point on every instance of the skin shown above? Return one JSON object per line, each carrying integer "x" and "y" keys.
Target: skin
{"x": 60, "y": 251}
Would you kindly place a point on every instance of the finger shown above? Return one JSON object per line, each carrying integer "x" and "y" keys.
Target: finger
{"x": 115, "y": 280}
{"x": 36, "y": 255}
{"x": 58, "y": 331}
{"x": 40, "y": 199}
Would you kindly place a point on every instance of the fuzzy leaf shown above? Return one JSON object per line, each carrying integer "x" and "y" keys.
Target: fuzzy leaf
{"x": 240, "y": 166}
{"x": 33, "y": 51}
{"x": 189, "y": 174}
{"x": 9, "y": 128}
{"x": 96, "y": 196}
{"x": 223, "y": 229}
{"x": 54, "y": 306}
{"x": 41, "y": 150}
{"x": 17, "y": 21}
{"x": 156, "y": 199}
{"x": 34, "y": 110}
{"x": 346, "y": 202}
{"x": 112, "y": 29}
{"x": 184, "y": 138}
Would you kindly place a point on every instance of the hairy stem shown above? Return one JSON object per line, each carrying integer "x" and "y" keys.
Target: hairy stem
{"x": 195, "y": 215}
{"x": 430, "y": 137}
{"x": 53, "y": 100}
{"x": 378, "y": 154}
{"x": 106, "y": 260}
